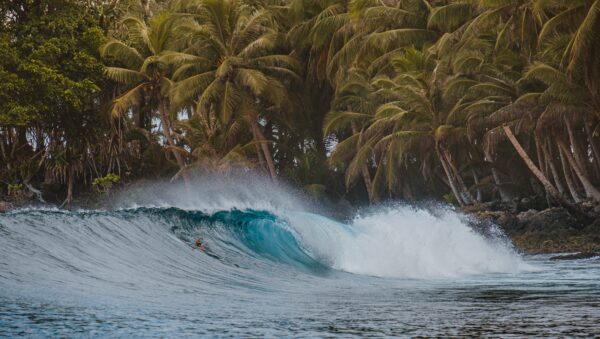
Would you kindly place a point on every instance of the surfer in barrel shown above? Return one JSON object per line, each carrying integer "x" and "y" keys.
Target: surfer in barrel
{"x": 200, "y": 245}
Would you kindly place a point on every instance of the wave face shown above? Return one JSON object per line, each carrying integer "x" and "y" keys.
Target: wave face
{"x": 253, "y": 240}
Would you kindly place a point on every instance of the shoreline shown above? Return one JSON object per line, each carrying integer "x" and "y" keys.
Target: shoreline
{"x": 541, "y": 231}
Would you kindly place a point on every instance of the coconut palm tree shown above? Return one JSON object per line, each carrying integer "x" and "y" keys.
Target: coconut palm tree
{"x": 418, "y": 119}
{"x": 145, "y": 69}
{"x": 235, "y": 66}
{"x": 352, "y": 109}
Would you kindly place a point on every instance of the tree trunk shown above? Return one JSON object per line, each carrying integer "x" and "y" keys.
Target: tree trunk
{"x": 69, "y": 198}
{"x": 3, "y": 150}
{"x": 538, "y": 149}
{"x": 265, "y": 147}
{"x": 503, "y": 194}
{"x": 367, "y": 179}
{"x": 166, "y": 126}
{"x": 407, "y": 193}
{"x": 364, "y": 171}
{"x": 261, "y": 159}
{"x": 576, "y": 149}
{"x": 569, "y": 178}
{"x": 476, "y": 181}
{"x": 590, "y": 190}
{"x": 550, "y": 160}
{"x": 450, "y": 178}
{"x": 595, "y": 151}
{"x": 536, "y": 171}
{"x": 467, "y": 197}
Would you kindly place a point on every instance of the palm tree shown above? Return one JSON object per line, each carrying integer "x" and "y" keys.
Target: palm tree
{"x": 214, "y": 145}
{"x": 145, "y": 69}
{"x": 352, "y": 108}
{"x": 580, "y": 20}
{"x": 515, "y": 24}
{"x": 417, "y": 119}
{"x": 234, "y": 67}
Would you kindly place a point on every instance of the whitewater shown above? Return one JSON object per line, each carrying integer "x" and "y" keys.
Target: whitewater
{"x": 275, "y": 265}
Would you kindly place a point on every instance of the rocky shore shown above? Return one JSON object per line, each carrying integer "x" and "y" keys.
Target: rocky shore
{"x": 542, "y": 230}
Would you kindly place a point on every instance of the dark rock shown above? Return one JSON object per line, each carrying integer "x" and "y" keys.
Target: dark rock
{"x": 509, "y": 222}
{"x": 581, "y": 255}
{"x": 551, "y": 230}
{"x": 527, "y": 216}
{"x": 550, "y": 219}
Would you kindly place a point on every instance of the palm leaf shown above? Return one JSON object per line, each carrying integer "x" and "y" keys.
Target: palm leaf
{"x": 124, "y": 76}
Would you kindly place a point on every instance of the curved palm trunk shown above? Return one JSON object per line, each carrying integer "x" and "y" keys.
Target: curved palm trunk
{"x": 258, "y": 135}
{"x": 538, "y": 174}
{"x": 590, "y": 190}
{"x": 166, "y": 127}
{"x": 467, "y": 197}
{"x": 578, "y": 157}
{"x": 451, "y": 182}
{"x": 569, "y": 178}
{"x": 550, "y": 160}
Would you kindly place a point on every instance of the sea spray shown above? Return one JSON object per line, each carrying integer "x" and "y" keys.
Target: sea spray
{"x": 406, "y": 242}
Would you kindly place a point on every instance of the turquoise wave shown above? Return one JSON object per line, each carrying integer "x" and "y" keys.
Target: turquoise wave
{"x": 255, "y": 233}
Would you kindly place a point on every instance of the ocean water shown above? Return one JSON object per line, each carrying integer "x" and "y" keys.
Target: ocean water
{"x": 275, "y": 267}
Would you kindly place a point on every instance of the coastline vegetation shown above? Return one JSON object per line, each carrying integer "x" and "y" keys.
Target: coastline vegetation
{"x": 469, "y": 101}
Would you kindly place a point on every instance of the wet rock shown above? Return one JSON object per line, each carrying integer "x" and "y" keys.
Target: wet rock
{"x": 549, "y": 219}
{"x": 581, "y": 255}
{"x": 551, "y": 230}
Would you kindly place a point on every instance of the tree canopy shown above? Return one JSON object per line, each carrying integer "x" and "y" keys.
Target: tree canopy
{"x": 463, "y": 100}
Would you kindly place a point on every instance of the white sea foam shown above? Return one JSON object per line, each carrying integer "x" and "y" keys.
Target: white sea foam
{"x": 406, "y": 242}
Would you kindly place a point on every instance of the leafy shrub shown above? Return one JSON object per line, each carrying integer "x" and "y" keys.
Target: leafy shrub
{"x": 104, "y": 184}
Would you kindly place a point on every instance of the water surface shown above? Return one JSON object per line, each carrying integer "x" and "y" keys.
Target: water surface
{"x": 277, "y": 272}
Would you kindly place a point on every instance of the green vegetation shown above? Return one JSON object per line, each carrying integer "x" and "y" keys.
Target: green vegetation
{"x": 104, "y": 184}
{"x": 462, "y": 100}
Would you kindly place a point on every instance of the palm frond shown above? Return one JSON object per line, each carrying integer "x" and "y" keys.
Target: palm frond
{"x": 125, "y": 76}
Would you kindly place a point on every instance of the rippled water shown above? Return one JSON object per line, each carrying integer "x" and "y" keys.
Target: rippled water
{"x": 561, "y": 300}
{"x": 277, "y": 272}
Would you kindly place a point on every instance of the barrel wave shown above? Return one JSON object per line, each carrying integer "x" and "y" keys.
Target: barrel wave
{"x": 151, "y": 249}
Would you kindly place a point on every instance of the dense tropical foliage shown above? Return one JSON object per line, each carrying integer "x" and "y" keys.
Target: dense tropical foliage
{"x": 469, "y": 100}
